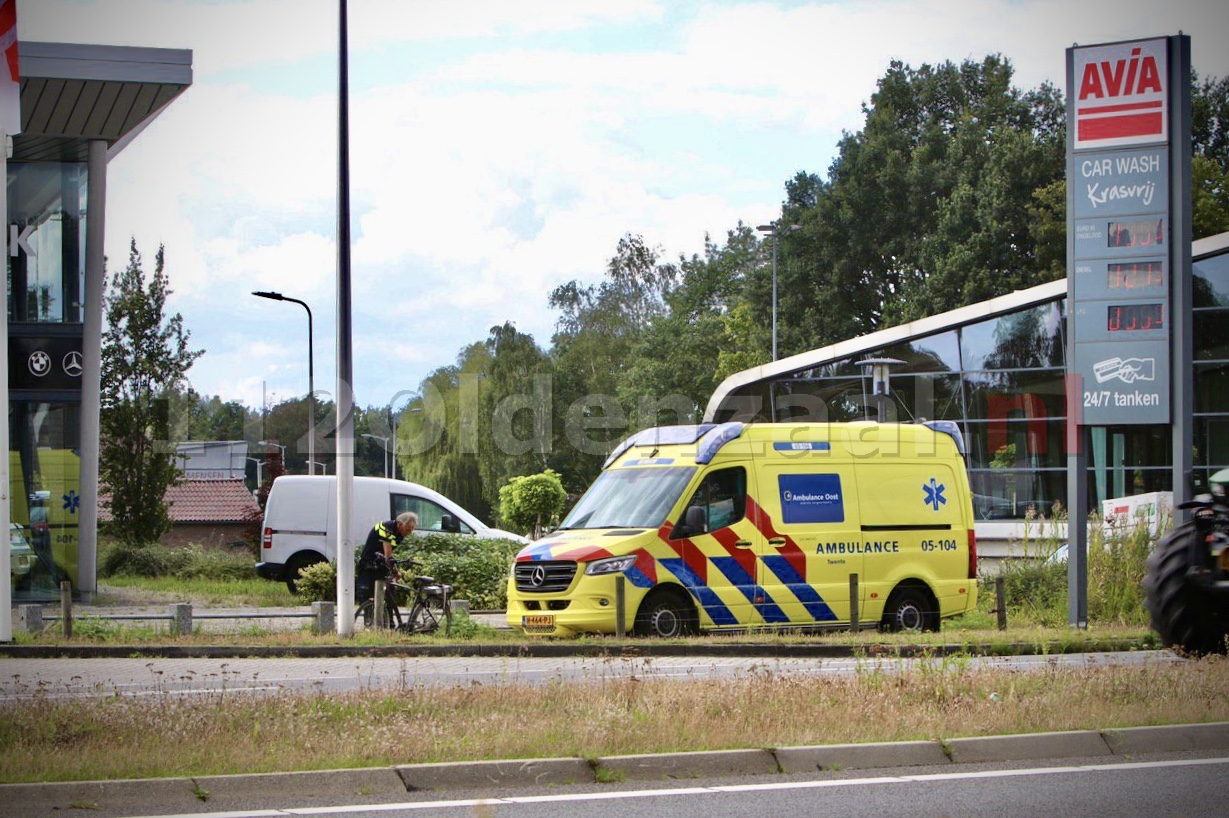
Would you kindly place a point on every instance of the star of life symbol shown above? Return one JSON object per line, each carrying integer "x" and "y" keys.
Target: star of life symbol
{"x": 1127, "y": 370}
{"x": 72, "y": 501}
{"x": 934, "y": 494}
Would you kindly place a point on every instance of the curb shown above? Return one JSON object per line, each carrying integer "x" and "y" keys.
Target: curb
{"x": 548, "y": 650}
{"x": 231, "y": 791}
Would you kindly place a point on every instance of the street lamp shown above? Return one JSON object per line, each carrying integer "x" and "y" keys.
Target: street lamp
{"x": 277, "y": 445}
{"x": 384, "y": 445}
{"x": 879, "y": 369}
{"x": 260, "y": 479}
{"x": 311, "y": 377}
{"x": 774, "y": 230}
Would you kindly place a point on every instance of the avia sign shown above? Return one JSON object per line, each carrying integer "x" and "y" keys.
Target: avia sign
{"x": 1120, "y": 95}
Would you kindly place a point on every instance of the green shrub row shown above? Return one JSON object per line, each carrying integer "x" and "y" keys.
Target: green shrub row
{"x": 476, "y": 568}
{"x": 1035, "y": 586}
{"x": 187, "y": 562}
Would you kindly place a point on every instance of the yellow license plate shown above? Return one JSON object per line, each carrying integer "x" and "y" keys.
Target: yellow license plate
{"x": 538, "y": 622}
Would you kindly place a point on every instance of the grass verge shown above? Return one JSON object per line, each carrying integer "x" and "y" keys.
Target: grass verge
{"x": 50, "y": 738}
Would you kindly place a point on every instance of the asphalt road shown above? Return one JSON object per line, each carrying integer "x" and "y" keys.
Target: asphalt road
{"x": 1184, "y": 784}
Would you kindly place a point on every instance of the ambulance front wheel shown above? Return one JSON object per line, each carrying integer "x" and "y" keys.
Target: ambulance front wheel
{"x": 666, "y": 612}
{"x": 910, "y": 609}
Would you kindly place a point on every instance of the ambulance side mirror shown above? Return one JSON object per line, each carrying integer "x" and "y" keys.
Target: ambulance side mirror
{"x": 693, "y": 522}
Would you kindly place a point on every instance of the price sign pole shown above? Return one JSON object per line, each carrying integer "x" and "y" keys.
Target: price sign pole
{"x": 1128, "y": 260}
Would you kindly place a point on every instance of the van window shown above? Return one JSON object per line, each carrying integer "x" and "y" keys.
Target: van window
{"x": 430, "y": 515}
{"x": 721, "y": 499}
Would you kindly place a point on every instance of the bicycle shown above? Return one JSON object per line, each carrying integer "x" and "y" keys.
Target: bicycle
{"x": 428, "y": 603}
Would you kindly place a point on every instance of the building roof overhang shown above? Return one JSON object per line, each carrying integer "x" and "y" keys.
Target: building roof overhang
{"x": 73, "y": 94}
{"x": 1012, "y": 302}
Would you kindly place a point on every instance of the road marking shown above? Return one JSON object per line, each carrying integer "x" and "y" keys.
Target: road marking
{"x": 731, "y": 788}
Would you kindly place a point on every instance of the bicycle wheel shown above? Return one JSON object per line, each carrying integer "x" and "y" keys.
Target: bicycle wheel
{"x": 430, "y": 612}
{"x": 365, "y": 616}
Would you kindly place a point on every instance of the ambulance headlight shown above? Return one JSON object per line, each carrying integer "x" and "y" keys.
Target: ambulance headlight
{"x": 613, "y": 565}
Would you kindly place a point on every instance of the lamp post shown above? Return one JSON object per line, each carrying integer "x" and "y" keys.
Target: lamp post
{"x": 279, "y": 447}
{"x": 311, "y": 377}
{"x": 384, "y": 445}
{"x": 880, "y": 369}
{"x": 260, "y": 479}
{"x": 774, "y": 230}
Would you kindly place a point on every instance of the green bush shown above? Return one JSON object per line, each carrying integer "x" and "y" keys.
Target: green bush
{"x": 190, "y": 562}
{"x": 318, "y": 583}
{"x": 477, "y": 568}
{"x": 1036, "y": 588}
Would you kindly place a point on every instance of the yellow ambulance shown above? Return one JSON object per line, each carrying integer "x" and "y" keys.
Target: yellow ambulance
{"x": 737, "y": 526}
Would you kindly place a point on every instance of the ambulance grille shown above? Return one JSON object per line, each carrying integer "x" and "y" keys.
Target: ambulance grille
{"x": 544, "y": 577}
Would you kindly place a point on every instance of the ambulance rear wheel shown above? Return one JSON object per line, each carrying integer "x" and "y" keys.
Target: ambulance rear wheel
{"x": 909, "y": 609}
{"x": 666, "y": 613}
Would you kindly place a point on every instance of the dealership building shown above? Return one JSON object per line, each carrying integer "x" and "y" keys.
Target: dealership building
{"x": 998, "y": 369}
{"x": 80, "y": 106}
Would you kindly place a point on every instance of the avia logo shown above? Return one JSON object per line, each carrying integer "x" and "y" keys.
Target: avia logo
{"x": 1121, "y": 94}
{"x": 1123, "y": 78}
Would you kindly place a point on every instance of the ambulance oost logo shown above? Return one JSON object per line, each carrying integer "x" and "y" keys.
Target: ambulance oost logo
{"x": 934, "y": 494}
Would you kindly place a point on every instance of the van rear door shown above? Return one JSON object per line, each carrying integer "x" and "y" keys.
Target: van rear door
{"x": 297, "y": 515}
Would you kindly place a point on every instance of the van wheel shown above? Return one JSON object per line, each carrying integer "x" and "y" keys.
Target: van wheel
{"x": 665, "y": 613}
{"x": 296, "y": 565}
{"x": 909, "y": 609}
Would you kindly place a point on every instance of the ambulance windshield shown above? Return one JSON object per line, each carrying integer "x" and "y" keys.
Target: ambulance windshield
{"x": 630, "y": 498}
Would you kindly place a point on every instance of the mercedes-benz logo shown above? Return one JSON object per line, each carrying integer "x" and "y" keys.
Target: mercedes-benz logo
{"x": 39, "y": 363}
{"x": 538, "y": 576}
{"x": 72, "y": 364}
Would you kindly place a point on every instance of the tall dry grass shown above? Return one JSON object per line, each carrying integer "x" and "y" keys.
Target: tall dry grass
{"x": 47, "y": 738}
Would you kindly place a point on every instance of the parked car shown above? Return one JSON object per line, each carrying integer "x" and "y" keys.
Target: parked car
{"x": 21, "y": 559}
{"x": 300, "y": 524}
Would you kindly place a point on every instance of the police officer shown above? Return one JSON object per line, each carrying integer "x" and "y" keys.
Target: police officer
{"x": 376, "y": 560}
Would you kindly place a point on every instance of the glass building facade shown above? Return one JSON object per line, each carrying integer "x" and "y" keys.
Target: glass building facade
{"x": 46, "y": 280}
{"x": 80, "y": 106}
{"x": 1002, "y": 376}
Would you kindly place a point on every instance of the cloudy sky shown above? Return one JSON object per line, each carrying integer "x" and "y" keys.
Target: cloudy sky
{"x": 501, "y": 147}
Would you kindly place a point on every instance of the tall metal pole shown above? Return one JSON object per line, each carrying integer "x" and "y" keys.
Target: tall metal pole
{"x": 774, "y": 295}
{"x": 345, "y": 366}
{"x": 311, "y": 379}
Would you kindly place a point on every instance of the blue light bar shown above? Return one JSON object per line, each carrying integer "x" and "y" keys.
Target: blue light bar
{"x": 715, "y": 438}
{"x": 948, "y": 427}
{"x": 660, "y": 436}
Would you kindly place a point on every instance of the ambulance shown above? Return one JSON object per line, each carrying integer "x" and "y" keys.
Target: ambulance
{"x": 735, "y": 526}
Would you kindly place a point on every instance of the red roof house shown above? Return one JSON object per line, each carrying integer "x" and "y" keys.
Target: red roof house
{"x": 207, "y": 512}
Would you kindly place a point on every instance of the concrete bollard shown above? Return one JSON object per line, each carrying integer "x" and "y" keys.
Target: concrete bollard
{"x": 377, "y": 604}
{"x": 66, "y": 608}
{"x": 855, "y": 623}
{"x": 30, "y": 618}
{"x": 181, "y": 619}
{"x": 1000, "y": 601}
{"x": 324, "y": 617}
{"x": 620, "y": 606}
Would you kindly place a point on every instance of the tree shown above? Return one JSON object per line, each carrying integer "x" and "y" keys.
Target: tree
{"x": 531, "y": 501}
{"x": 145, "y": 356}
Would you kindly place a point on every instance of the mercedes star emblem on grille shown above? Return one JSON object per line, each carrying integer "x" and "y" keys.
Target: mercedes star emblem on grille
{"x": 538, "y": 577}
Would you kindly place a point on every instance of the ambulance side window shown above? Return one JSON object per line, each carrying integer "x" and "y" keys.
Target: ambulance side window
{"x": 719, "y": 501}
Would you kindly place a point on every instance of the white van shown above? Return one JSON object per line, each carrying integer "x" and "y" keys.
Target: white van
{"x": 300, "y": 525}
